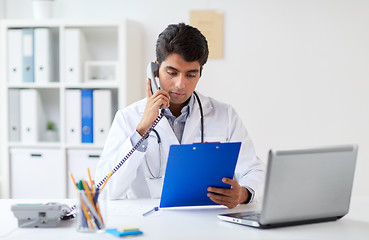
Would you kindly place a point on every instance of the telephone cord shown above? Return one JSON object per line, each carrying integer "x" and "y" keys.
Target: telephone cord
{"x": 134, "y": 148}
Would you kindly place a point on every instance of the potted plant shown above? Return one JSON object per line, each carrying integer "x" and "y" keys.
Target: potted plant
{"x": 51, "y": 133}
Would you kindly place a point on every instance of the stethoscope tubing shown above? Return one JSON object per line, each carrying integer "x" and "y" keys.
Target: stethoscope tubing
{"x": 159, "y": 139}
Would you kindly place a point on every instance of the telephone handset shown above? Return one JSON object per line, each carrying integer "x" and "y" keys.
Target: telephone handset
{"x": 152, "y": 73}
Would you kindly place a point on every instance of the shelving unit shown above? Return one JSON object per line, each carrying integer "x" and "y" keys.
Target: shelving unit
{"x": 112, "y": 44}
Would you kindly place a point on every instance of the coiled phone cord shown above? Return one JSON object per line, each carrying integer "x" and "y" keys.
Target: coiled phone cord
{"x": 134, "y": 148}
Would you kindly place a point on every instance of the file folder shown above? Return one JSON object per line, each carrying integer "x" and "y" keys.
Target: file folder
{"x": 28, "y": 54}
{"x": 75, "y": 55}
{"x": 32, "y": 116}
{"x": 87, "y": 115}
{"x": 192, "y": 168}
{"x": 73, "y": 116}
{"x": 15, "y": 56}
{"x": 43, "y": 55}
{"x": 102, "y": 115}
{"x": 14, "y": 113}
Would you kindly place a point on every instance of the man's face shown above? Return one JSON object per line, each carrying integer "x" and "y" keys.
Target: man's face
{"x": 178, "y": 77}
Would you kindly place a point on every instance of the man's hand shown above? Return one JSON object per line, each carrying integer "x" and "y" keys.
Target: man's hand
{"x": 154, "y": 101}
{"x": 229, "y": 197}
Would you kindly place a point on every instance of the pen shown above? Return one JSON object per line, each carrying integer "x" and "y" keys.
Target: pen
{"x": 151, "y": 211}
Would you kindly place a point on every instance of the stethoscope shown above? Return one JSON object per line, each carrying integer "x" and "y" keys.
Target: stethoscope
{"x": 158, "y": 139}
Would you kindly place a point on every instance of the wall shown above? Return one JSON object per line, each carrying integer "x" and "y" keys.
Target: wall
{"x": 2, "y": 9}
{"x": 2, "y": 15}
{"x": 296, "y": 71}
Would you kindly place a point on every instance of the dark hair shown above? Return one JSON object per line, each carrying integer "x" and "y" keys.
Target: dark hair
{"x": 184, "y": 40}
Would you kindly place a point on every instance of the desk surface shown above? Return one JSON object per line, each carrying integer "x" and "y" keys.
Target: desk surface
{"x": 189, "y": 223}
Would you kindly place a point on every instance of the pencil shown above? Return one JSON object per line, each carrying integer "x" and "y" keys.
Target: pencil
{"x": 109, "y": 175}
{"x": 90, "y": 198}
{"x": 74, "y": 182}
{"x": 91, "y": 182}
{"x": 93, "y": 211}
{"x": 88, "y": 192}
{"x": 86, "y": 214}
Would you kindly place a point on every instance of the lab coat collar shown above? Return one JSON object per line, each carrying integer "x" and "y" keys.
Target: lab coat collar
{"x": 193, "y": 123}
{"x": 205, "y": 102}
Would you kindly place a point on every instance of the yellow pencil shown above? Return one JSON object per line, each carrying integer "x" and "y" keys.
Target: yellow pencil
{"x": 89, "y": 196}
{"x": 74, "y": 182}
{"x": 98, "y": 212}
{"x": 91, "y": 183}
{"x": 109, "y": 175}
{"x": 88, "y": 192}
{"x": 86, "y": 214}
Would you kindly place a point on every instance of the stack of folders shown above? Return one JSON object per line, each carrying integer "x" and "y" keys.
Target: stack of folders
{"x": 88, "y": 115}
{"x": 26, "y": 116}
{"x": 30, "y": 56}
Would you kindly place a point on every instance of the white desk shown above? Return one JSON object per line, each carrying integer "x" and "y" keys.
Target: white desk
{"x": 195, "y": 223}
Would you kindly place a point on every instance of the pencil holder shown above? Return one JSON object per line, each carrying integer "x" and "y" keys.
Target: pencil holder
{"x": 91, "y": 211}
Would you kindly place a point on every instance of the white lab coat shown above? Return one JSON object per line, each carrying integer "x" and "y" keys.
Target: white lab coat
{"x": 133, "y": 179}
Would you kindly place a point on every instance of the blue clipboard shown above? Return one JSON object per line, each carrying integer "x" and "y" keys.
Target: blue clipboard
{"x": 192, "y": 168}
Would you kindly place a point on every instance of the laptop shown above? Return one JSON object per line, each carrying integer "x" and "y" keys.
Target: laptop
{"x": 303, "y": 186}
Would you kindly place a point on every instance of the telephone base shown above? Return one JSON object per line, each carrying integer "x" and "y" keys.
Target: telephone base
{"x": 39, "y": 215}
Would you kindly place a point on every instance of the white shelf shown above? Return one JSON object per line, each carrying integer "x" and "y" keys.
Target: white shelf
{"x": 97, "y": 84}
{"x": 56, "y": 23}
{"x": 84, "y": 146}
{"x": 114, "y": 42}
{"x": 50, "y": 85}
{"x": 106, "y": 84}
{"x": 34, "y": 145}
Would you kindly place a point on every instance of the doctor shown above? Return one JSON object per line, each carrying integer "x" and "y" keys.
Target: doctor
{"x": 181, "y": 52}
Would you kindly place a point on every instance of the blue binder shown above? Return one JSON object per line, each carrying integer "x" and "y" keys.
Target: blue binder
{"x": 192, "y": 168}
{"x": 86, "y": 115}
{"x": 28, "y": 54}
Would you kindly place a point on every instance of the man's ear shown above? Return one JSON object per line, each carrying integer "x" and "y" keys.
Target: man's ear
{"x": 201, "y": 70}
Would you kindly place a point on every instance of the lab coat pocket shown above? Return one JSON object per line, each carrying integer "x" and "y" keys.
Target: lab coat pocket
{"x": 155, "y": 186}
